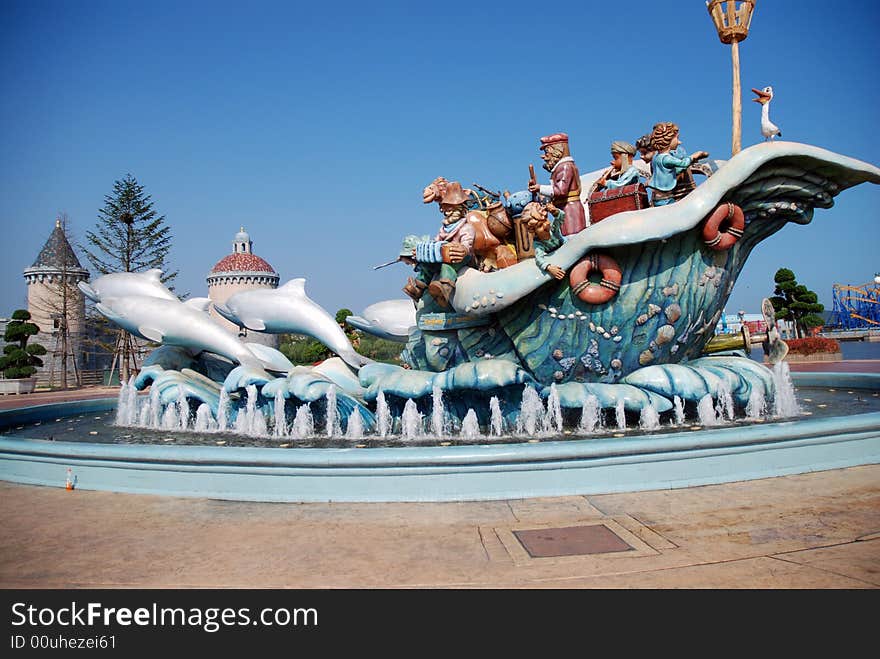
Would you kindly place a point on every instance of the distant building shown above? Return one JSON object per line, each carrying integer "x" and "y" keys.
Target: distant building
{"x": 56, "y": 264}
{"x": 242, "y": 270}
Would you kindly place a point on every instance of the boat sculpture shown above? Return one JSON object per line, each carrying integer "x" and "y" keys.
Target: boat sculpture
{"x": 627, "y": 325}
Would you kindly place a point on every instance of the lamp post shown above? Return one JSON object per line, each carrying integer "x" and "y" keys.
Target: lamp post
{"x": 732, "y": 19}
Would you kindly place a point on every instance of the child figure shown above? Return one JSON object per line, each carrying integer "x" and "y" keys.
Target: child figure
{"x": 547, "y": 232}
{"x": 668, "y": 162}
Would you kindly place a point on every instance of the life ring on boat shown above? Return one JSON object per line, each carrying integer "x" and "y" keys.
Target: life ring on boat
{"x": 719, "y": 240}
{"x": 591, "y": 292}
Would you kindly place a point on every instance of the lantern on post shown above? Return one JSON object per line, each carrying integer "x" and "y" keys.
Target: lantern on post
{"x": 732, "y": 19}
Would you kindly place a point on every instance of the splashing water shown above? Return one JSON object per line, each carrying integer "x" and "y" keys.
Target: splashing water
{"x": 257, "y": 420}
{"x": 553, "y": 417}
{"x": 169, "y": 418}
{"x": 126, "y": 407}
{"x": 303, "y": 423}
{"x": 411, "y": 421}
{"x": 756, "y": 407}
{"x": 383, "y": 416}
{"x": 204, "y": 418}
{"x": 183, "y": 409}
{"x": 590, "y": 415}
{"x": 706, "y": 411}
{"x": 155, "y": 408}
{"x": 620, "y": 414}
{"x": 649, "y": 419}
{"x": 223, "y": 410}
{"x": 145, "y": 414}
{"x": 470, "y": 427}
{"x": 678, "y": 406}
{"x": 332, "y": 427}
{"x": 531, "y": 412}
{"x": 438, "y": 421}
{"x": 355, "y": 428}
{"x": 280, "y": 418}
{"x": 784, "y": 401}
{"x": 724, "y": 406}
{"x": 496, "y": 422}
{"x": 251, "y": 421}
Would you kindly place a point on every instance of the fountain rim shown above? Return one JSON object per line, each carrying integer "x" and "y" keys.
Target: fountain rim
{"x": 632, "y": 443}
{"x": 464, "y": 472}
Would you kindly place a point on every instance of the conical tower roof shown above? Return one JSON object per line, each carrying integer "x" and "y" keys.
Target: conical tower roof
{"x": 57, "y": 252}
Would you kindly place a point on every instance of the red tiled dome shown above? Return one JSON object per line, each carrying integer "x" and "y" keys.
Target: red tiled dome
{"x": 242, "y": 262}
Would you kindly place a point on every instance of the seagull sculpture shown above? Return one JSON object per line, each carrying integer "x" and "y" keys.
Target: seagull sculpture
{"x": 768, "y": 129}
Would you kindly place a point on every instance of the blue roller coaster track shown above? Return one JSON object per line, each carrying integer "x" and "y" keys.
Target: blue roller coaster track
{"x": 856, "y": 307}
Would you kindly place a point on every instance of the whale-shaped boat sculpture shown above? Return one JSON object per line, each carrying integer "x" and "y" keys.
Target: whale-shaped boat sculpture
{"x": 673, "y": 286}
{"x": 518, "y": 329}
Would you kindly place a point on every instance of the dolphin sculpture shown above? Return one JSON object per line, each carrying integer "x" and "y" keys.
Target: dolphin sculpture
{"x": 390, "y": 319}
{"x": 289, "y": 309}
{"x": 172, "y": 322}
{"x": 123, "y": 284}
{"x": 273, "y": 360}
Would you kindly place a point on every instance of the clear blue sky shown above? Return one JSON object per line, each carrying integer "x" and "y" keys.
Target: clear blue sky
{"x": 317, "y": 125}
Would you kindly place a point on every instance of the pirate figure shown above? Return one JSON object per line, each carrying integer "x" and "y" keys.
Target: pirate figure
{"x": 622, "y": 171}
{"x": 438, "y": 262}
{"x": 565, "y": 182}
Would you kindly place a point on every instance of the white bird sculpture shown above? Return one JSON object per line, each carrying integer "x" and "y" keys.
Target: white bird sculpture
{"x": 768, "y": 129}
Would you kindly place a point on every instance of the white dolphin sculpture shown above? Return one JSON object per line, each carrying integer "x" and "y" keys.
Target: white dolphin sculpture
{"x": 123, "y": 284}
{"x": 289, "y": 309}
{"x": 273, "y": 360}
{"x": 389, "y": 319}
{"x": 172, "y": 322}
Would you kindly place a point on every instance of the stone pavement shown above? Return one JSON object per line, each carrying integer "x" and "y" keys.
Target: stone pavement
{"x": 819, "y": 530}
{"x": 13, "y": 401}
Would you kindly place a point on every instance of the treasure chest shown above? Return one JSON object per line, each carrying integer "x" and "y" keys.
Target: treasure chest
{"x": 617, "y": 200}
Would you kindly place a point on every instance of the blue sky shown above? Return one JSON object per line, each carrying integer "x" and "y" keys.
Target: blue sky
{"x": 316, "y": 126}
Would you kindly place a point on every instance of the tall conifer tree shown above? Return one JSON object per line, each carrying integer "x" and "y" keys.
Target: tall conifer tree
{"x": 130, "y": 236}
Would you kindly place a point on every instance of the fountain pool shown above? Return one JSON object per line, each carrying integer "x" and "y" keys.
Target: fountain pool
{"x": 835, "y": 423}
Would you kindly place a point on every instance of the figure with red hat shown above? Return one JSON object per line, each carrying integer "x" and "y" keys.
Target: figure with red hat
{"x": 440, "y": 261}
{"x": 565, "y": 182}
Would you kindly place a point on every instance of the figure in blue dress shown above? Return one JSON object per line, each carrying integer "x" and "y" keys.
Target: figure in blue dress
{"x": 669, "y": 162}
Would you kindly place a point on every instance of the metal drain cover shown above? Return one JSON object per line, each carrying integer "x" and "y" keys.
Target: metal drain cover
{"x": 571, "y": 541}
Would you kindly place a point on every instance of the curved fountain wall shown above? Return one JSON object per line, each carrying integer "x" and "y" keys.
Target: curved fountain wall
{"x": 451, "y": 473}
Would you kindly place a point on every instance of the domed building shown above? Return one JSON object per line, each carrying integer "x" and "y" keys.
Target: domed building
{"x": 242, "y": 270}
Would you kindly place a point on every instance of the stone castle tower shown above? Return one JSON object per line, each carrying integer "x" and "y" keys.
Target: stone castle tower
{"x": 55, "y": 264}
{"x": 239, "y": 271}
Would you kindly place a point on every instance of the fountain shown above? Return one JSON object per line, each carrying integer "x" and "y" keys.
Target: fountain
{"x": 514, "y": 382}
{"x": 591, "y": 418}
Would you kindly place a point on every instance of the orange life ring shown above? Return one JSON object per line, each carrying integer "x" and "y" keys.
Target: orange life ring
{"x": 720, "y": 240}
{"x": 595, "y": 293}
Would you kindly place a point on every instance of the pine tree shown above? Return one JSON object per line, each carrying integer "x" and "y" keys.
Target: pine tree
{"x": 130, "y": 237}
{"x": 795, "y": 303}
